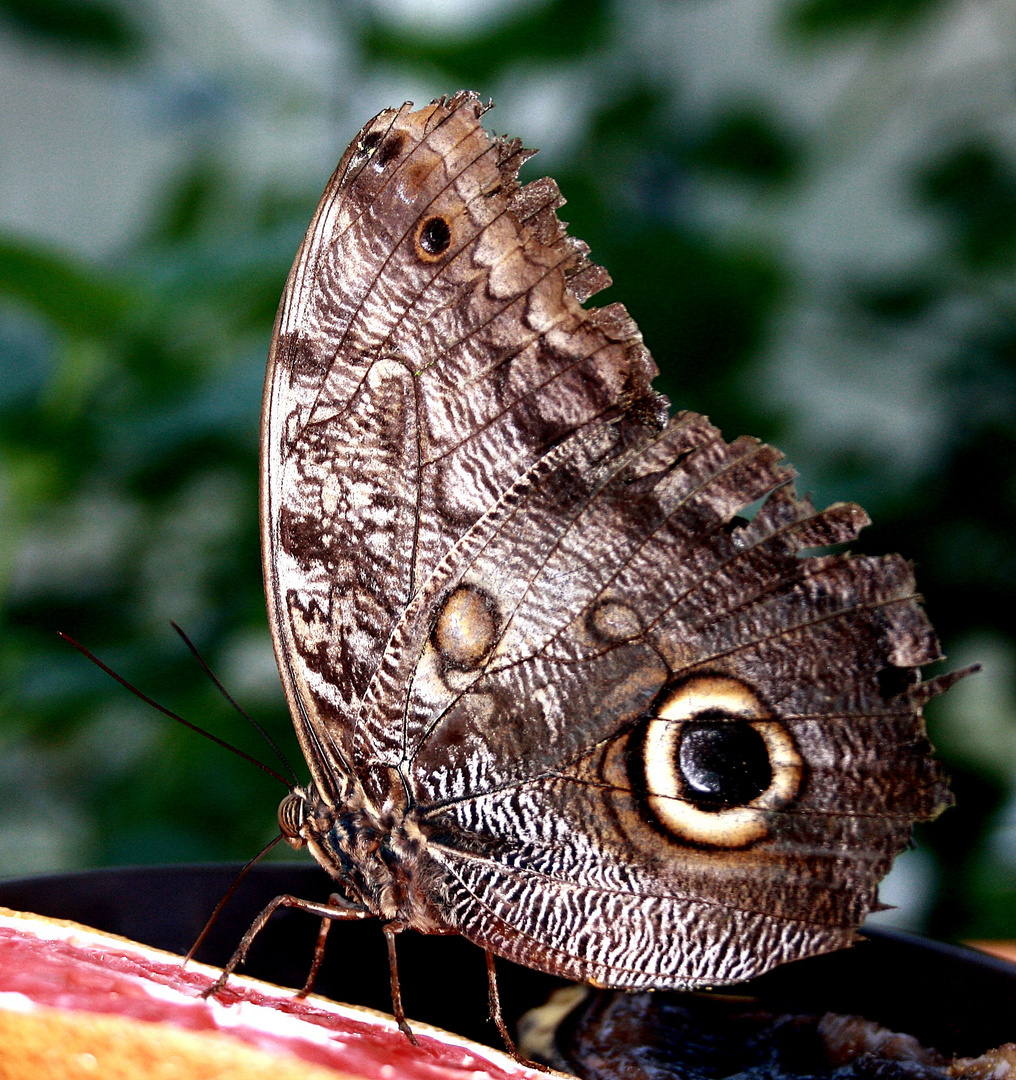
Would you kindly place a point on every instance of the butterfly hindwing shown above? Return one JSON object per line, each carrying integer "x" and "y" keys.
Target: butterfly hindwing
{"x": 612, "y": 578}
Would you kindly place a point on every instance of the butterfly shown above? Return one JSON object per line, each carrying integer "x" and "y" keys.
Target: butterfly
{"x": 558, "y": 689}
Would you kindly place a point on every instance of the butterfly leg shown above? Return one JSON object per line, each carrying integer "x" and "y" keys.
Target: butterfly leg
{"x": 329, "y": 911}
{"x": 391, "y": 929}
{"x": 335, "y": 900}
{"x": 494, "y": 1005}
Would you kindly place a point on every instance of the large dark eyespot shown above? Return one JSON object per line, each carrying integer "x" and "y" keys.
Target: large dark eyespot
{"x": 723, "y": 763}
{"x": 713, "y": 763}
{"x": 433, "y": 237}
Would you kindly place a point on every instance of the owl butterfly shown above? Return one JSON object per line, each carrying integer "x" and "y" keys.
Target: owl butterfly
{"x": 554, "y": 694}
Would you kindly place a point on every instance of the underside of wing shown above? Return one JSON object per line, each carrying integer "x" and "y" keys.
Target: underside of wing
{"x": 650, "y": 738}
{"x": 646, "y": 721}
{"x": 430, "y": 347}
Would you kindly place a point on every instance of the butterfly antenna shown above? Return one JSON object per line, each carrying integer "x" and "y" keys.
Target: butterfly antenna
{"x": 239, "y": 708}
{"x": 247, "y": 867}
{"x": 172, "y": 715}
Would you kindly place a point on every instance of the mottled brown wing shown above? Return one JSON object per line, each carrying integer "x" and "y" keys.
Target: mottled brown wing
{"x": 430, "y": 347}
{"x": 495, "y": 566}
{"x": 539, "y": 684}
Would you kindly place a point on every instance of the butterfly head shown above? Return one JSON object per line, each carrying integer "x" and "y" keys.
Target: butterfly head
{"x": 372, "y": 860}
{"x": 335, "y": 840}
{"x": 308, "y": 820}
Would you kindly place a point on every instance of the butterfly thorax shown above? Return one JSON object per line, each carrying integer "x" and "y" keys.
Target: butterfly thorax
{"x": 374, "y": 856}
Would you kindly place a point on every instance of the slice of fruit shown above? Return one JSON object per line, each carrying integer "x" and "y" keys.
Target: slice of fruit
{"x": 75, "y": 1002}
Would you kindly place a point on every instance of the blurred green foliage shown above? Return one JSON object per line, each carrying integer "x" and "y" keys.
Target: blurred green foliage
{"x": 818, "y": 20}
{"x": 557, "y": 30}
{"x": 84, "y": 26}
{"x": 129, "y": 402}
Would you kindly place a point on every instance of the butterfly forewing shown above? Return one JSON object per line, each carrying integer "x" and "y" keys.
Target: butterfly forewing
{"x": 377, "y": 455}
{"x": 605, "y": 726}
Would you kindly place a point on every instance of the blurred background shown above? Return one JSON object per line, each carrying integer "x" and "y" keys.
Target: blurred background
{"x": 808, "y": 205}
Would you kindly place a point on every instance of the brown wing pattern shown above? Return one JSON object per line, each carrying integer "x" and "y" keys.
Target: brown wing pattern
{"x": 497, "y": 569}
{"x": 430, "y": 347}
{"x": 613, "y": 572}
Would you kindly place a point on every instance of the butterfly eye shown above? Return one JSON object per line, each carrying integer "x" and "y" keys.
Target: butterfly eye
{"x": 713, "y": 762}
{"x": 433, "y": 238}
{"x": 291, "y": 818}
